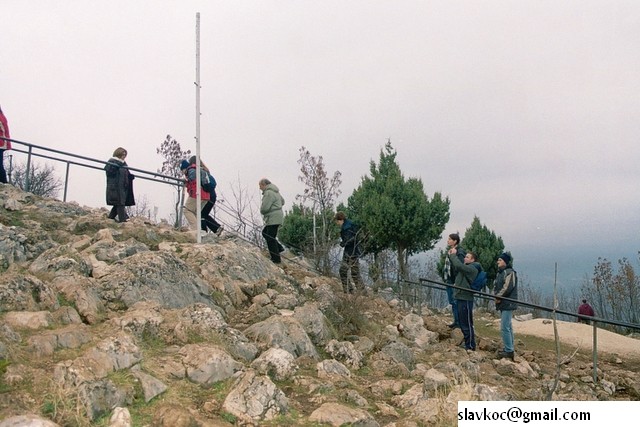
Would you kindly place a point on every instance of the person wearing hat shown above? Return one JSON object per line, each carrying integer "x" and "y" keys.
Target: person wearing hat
{"x": 190, "y": 208}
{"x": 506, "y": 286}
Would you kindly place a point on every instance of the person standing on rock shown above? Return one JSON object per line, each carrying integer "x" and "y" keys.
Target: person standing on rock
{"x": 273, "y": 216}
{"x": 351, "y": 254}
{"x": 119, "y": 185}
{"x": 5, "y": 144}
{"x": 506, "y": 286}
{"x": 467, "y": 272}
{"x": 449, "y": 275}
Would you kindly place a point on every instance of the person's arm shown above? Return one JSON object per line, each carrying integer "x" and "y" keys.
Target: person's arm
{"x": 267, "y": 202}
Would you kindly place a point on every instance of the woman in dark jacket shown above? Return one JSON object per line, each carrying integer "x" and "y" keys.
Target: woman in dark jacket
{"x": 119, "y": 185}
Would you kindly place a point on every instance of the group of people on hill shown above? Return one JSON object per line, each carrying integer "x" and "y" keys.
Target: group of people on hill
{"x": 460, "y": 269}
{"x": 120, "y": 195}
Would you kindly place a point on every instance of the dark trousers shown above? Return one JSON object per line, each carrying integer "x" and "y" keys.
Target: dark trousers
{"x": 3, "y": 173}
{"x": 120, "y": 212}
{"x": 206, "y": 220}
{"x": 465, "y": 317}
{"x": 270, "y": 233}
{"x": 350, "y": 263}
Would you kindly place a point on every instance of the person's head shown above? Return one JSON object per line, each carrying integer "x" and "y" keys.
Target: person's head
{"x": 453, "y": 240}
{"x": 120, "y": 153}
{"x": 470, "y": 257}
{"x": 504, "y": 260}
{"x": 340, "y": 217}
{"x": 584, "y": 301}
{"x": 183, "y": 165}
{"x": 262, "y": 184}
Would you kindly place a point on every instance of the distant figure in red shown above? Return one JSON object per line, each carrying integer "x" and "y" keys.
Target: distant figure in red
{"x": 5, "y": 144}
{"x": 586, "y": 310}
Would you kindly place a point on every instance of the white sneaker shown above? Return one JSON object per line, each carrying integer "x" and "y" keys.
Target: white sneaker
{"x": 203, "y": 234}
{"x": 219, "y": 231}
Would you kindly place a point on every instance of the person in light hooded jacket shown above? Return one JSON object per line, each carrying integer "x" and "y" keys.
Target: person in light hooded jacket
{"x": 273, "y": 216}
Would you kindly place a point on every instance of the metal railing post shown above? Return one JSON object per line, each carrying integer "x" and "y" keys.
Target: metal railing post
{"x": 595, "y": 353}
{"x": 27, "y": 183}
{"x": 66, "y": 183}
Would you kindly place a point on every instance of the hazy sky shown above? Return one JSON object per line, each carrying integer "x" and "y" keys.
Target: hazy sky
{"x": 524, "y": 113}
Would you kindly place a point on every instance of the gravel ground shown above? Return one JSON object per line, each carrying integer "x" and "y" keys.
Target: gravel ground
{"x": 579, "y": 334}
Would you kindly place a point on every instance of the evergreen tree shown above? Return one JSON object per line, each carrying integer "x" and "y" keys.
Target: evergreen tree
{"x": 486, "y": 245}
{"x": 396, "y": 212}
{"x": 297, "y": 229}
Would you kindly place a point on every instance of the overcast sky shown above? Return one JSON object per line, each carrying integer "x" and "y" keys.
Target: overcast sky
{"x": 524, "y": 113}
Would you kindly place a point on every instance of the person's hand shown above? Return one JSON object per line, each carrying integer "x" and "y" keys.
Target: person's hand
{"x": 452, "y": 251}
{"x": 498, "y": 300}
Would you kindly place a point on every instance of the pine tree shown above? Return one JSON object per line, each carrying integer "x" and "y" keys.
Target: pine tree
{"x": 396, "y": 212}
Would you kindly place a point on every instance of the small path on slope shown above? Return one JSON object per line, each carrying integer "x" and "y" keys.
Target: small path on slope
{"x": 580, "y": 335}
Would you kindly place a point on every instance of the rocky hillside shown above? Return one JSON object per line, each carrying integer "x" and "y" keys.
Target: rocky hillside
{"x": 136, "y": 325}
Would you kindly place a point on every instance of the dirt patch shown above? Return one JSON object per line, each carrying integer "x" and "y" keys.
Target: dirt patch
{"x": 581, "y": 335}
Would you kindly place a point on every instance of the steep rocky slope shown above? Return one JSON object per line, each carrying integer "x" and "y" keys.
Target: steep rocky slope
{"x": 136, "y": 325}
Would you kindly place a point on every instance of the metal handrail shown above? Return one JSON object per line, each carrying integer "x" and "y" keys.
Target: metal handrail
{"x": 151, "y": 176}
{"x": 436, "y": 284}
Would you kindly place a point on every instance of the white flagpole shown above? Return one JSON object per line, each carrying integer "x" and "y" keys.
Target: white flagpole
{"x": 198, "y": 197}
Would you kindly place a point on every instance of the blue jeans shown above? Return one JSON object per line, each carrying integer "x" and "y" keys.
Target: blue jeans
{"x": 465, "y": 315}
{"x": 507, "y": 330}
{"x": 454, "y": 304}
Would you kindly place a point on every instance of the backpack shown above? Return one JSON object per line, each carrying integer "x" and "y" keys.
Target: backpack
{"x": 208, "y": 182}
{"x": 480, "y": 281}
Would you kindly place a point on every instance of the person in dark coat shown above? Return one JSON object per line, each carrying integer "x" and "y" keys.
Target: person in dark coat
{"x": 449, "y": 275}
{"x": 506, "y": 286}
{"x": 351, "y": 254}
{"x": 119, "y": 185}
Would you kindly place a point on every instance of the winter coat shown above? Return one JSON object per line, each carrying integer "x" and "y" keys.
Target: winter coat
{"x": 586, "y": 310}
{"x": 119, "y": 183}
{"x": 4, "y": 132}
{"x": 506, "y": 286}
{"x": 466, "y": 273}
{"x": 271, "y": 207}
{"x": 191, "y": 183}
{"x": 349, "y": 239}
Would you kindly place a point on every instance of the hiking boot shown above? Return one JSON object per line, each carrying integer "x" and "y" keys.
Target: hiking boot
{"x": 505, "y": 355}
{"x": 453, "y": 325}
